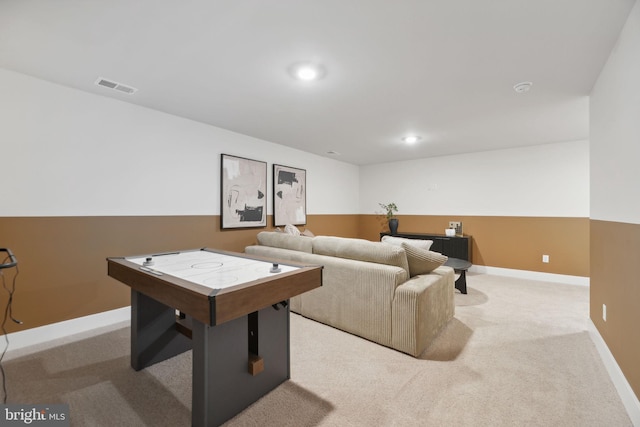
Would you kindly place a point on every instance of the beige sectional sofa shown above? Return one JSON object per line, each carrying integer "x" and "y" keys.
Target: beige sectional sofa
{"x": 368, "y": 289}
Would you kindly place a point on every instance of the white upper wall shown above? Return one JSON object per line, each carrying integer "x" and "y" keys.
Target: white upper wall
{"x": 544, "y": 180}
{"x": 69, "y": 153}
{"x": 65, "y": 152}
{"x": 615, "y": 130}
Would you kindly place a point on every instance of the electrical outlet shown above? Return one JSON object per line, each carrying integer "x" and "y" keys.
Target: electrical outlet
{"x": 545, "y": 258}
{"x": 604, "y": 312}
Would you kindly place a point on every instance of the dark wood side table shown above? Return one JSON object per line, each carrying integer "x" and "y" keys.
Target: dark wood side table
{"x": 459, "y": 266}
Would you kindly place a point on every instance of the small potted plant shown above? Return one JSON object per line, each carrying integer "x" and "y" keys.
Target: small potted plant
{"x": 390, "y": 209}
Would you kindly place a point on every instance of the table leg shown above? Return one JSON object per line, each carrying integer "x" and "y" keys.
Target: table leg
{"x": 222, "y": 383}
{"x": 461, "y": 283}
{"x": 154, "y": 337}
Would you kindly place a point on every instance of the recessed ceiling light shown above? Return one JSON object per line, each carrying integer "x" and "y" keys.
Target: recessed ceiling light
{"x": 333, "y": 153}
{"x": 307, "y": 71}
{"x": 522, "y": 87}
{"x": 411, "y": 139}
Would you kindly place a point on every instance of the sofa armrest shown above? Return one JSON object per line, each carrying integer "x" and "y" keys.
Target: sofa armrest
{"x": 422, "y": 306}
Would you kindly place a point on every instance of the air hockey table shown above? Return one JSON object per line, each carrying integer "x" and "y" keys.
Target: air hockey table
{"x": 230, "y": 309}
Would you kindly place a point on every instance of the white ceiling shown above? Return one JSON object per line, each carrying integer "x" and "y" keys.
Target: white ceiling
{"x": 443, "y": 69}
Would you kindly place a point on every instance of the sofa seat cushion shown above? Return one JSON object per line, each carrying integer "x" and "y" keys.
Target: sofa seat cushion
{"x": 285, "y": 241}
{"x": 361, "y": 250}
{"x": 422, "y": 261}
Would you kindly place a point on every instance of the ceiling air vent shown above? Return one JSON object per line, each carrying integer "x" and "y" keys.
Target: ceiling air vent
{"x": 116, "y": 86}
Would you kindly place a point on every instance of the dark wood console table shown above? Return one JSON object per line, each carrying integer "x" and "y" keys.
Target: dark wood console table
{"x": 451, "y": 246}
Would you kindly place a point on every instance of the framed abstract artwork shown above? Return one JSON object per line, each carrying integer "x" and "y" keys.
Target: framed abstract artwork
{"x": 243, "y": 192}
{"x": 289, "y": 196}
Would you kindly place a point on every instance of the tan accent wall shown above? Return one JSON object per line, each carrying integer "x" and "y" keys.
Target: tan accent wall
{"x": 615, "y": 251}
{"x": 63, "y": 269}
{"x": 62, "y": 260}
{"x": 334, "y": 225}
{"x": 506, "y": 242}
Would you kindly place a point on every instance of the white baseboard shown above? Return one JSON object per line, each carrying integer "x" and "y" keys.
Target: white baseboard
{"x": 56, "y": 332}
{"x": 531, "y": 275}
{"x": 628, "y": 397}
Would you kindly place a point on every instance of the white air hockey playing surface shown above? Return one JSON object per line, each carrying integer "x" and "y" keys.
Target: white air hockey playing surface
{"x": 210, "y": 269}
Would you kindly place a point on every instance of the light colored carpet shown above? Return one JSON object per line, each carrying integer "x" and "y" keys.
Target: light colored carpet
{"x": 517, "y": 353}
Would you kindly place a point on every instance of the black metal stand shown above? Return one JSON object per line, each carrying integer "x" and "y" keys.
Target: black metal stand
{"x": 223, "y": 382}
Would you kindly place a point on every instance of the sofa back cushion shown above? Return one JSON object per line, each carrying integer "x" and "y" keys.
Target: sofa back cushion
{"x": 285, "y": 241}
{"x": 398, "y": 241}
{"x": 361, "y": 250}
